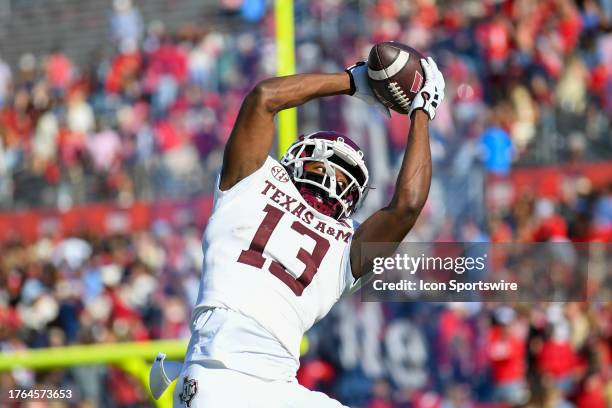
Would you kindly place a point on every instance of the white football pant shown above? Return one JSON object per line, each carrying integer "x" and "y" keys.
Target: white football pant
{"x": 203, "y": 387}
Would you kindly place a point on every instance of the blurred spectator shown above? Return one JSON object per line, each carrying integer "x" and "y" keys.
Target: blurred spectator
{"x": 104, "y": 148}
{"x": 556, "y": 359}
{"x": 498, "y": 150}
{"x": 506, "y": 349}
{"x": 5, "y": 81}
{"x": 59, "y": 72}
{"x": 80, "y": 116}
{"x": 125, "y": 22}
{"x": 602, "y": 215}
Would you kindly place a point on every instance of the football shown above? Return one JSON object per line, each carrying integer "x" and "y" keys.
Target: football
{"x": 395, "y": 74}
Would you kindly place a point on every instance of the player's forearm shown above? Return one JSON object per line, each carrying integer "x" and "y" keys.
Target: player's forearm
{"x": 414, "y": 179}
{"x": 290, "y": 91}
{"x": 253, "y": 132}
{"x": 392, "y": 223}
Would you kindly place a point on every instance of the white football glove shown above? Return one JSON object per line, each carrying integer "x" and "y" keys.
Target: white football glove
{"x": 361, "y": 87}
{"x": 432, "y": 93}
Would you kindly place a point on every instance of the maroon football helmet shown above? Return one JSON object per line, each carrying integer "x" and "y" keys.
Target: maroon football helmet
{"x": 322, "y": 192}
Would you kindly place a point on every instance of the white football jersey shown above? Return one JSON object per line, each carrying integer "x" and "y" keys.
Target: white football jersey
{"x": 270, "y": 256}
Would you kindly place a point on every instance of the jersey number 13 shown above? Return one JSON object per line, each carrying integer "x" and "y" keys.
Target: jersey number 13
{"x": 253, "y": 256}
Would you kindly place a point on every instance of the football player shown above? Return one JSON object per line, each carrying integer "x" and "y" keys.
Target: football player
{"x": 280, "y": 245}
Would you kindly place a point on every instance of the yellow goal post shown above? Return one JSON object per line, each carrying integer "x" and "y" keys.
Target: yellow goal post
{"x": 134, "y": 358}
{"x": 285, "y": 65}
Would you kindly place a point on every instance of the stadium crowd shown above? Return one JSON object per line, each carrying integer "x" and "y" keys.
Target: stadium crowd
{"x": 93, "y": 289}
{"x": 528, "y": 82}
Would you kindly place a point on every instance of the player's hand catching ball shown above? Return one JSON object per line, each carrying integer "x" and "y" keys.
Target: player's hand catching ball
{"x": 360, "y": 88}
{"x": 432, "y": 93}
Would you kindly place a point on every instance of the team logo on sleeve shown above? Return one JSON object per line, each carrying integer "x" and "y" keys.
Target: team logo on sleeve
{"x": 190, "y": 389}
{"x": 280, "y": 174}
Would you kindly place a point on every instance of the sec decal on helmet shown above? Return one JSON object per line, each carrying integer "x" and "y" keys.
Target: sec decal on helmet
{"x": 336, "y": 152}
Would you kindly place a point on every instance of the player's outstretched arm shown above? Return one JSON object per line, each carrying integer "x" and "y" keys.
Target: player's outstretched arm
{"x": 253, "y": 132}
{"x": 393, "y": 222}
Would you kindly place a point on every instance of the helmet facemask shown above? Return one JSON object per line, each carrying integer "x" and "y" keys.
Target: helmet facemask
{"x": 322, "y": 191}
